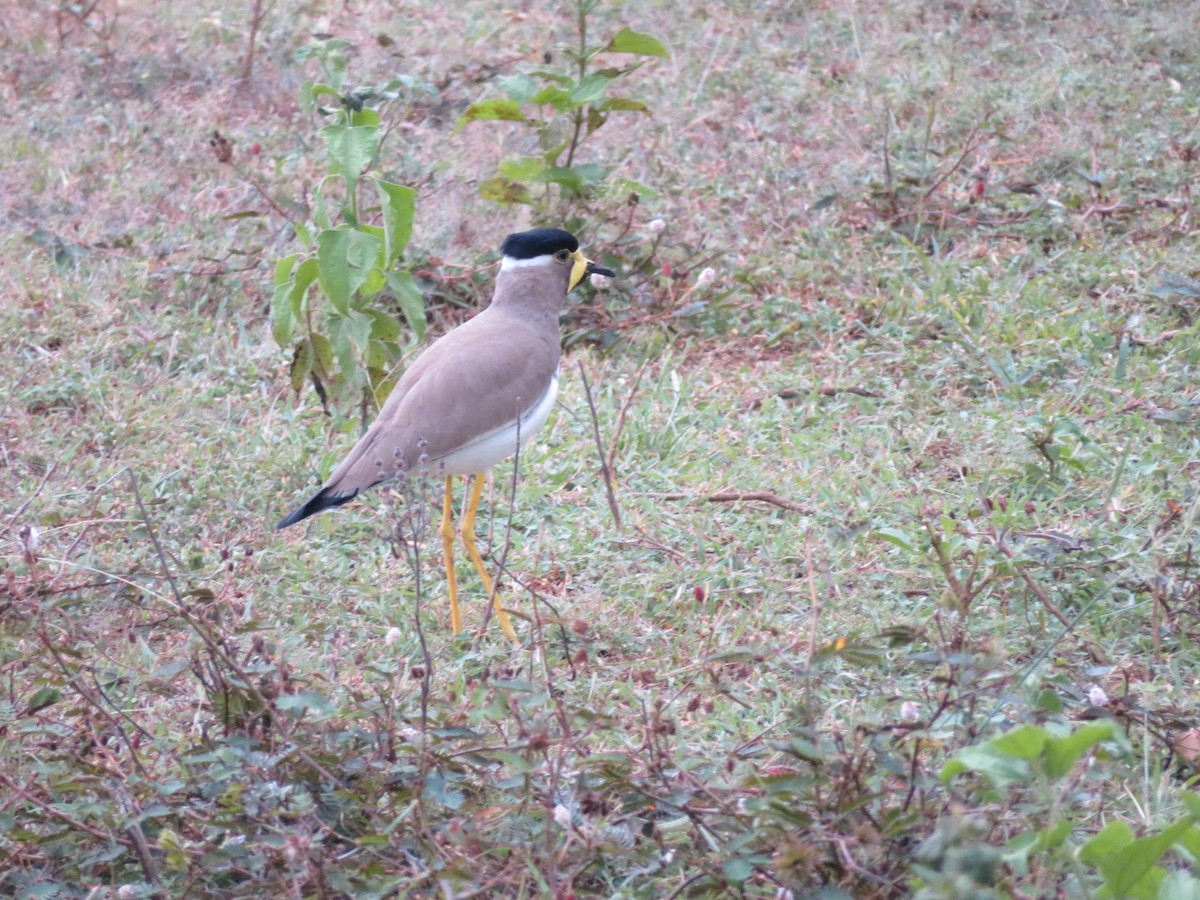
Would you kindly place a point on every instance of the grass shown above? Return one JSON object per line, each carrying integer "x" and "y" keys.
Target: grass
{"x": 945, "y": 645}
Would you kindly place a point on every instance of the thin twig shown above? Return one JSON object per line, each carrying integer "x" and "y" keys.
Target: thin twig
{"x": 604, "y": 469}
{"x": 814, "y": 598}
{"x": 731, "y": 497}
{"x": 621, "y": 413}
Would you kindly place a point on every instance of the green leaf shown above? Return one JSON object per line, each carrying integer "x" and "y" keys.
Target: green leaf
{"x": 629, "y": 41}
{"x": 896, "y": 536}
{"x": 498, "y": 108}
{"x": 42, "y": 698}
{"x": 1125, "y": 869}
{"x": 349, "y": 335}
{"x": 345, "y": 258}
{"x": 501, "y": 190}
{"x": 999, "y": 768}
{"x": 621, "y": 104}
{"x": 1101, "y": 850}
{"x": 521, "y": 168}
{"x": 282, "y": 319}
{"x": 520, "y": 88}
{"x": 738, "y": 870}
{"x": 322, "y": 356}
{"x": 557, "y": 97}
{"x": 366, "y": 116}
{"x": 302, "y": 363}
{"x": 399, "y": 209}
{"x": 384, "y": 326}
{"x": 576, "y": 179}
{"x": 412, "y": 302}
{"x": 1063, "y": 753}
{"x": 1023, "y": 742}
{"x": 352, "y": 148}
{"x": 589, "y": 89}
{"x": 1191, "y": 802}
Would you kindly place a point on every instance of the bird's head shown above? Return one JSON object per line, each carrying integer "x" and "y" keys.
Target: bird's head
{"x": 550, "y": 247}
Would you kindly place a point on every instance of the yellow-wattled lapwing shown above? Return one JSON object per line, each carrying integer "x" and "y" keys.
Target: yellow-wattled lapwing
{"x": 460, "y": 407}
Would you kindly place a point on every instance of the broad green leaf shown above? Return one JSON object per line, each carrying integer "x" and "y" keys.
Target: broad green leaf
{"x": 384, "y": 326}
{"x": 498, "y": 108}
{"x": 345, "y": 258}
{"x": 998, "y": 768}
{"x": 557, "y": 97}
{"x": 501, "y": 190}
{"x": 589, "y": 89}
{"x": 399, "y": 209}
{"x": 629, "y": 41}
{"x": 595, "y": 119}
{"x": 1191, "y": 803}
{"x": 282, "y": 320}
{"x": 553, "y": 77}
{"x": 412, "y": 302}
{"x": 622, "y": 104}
{"x": 1063, "y": 753}
{"x": 302, "y": 364}
{"x": 896, "y": 536}
{"x": 1101, "y": 850}
{"x": 629, "y": 186}
{"x": 311, "y": 92}
{"x": 351, "y": 149}
{"x": 366, "y": 116}
{"x": 349, "y": 336}
{"x": 737, "y": 870}
{"x": 322, "y": 356}
{"x": 374, "y": 283}
{"x": 1136, "y": 861}
{"x": 381, "y": 355}
{"x": 1024, "y": 742}
{"x": 575, "y": 178}
{"x": 521, "y": 168}
{"x": 520, "y": 88}
{"x": 515, "y": 761}
{"x": 283, "y": 269}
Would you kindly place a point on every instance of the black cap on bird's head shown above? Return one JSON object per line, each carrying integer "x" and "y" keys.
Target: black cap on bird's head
{"x": 539, "y": 242}
{"x": 561, "y": 245}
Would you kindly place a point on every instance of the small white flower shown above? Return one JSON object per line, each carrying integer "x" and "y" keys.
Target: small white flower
{"x": 598, "y": 280}
{"x": 126, "y": 890}
{"x": 909, "y": 711}
{"x": 656, "y": 226}
{"x": 706, "y": 277}
{"x": 562, "y": 816}
{"x": 1096, "y": 696}
{"x": 393, "y": 635}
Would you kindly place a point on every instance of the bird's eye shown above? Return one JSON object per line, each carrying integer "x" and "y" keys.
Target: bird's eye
{"x": 562, "y": 255}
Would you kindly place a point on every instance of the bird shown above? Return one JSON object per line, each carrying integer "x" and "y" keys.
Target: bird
{"x": 463, "y": 404}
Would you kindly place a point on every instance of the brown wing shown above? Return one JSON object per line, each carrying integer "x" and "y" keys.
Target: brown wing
{"x": 476, "y": 379}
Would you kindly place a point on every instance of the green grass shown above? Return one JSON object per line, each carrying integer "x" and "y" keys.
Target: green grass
{"x": 963, "y": 424}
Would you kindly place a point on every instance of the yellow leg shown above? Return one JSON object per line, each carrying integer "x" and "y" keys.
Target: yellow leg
{"x": 447, "y": 533}
{"x": 468, "y": 538}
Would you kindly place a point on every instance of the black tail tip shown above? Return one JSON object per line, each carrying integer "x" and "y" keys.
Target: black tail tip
{"x": 321, "y": 501}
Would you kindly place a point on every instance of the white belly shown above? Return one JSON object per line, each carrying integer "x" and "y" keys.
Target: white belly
{"x": 488, "y": 449}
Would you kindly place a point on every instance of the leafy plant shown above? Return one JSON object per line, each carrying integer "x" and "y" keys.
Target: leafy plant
{"x": 335, "y": 303}
{"x": 563, "y": 106}
{"x": 1041, "y": 759}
